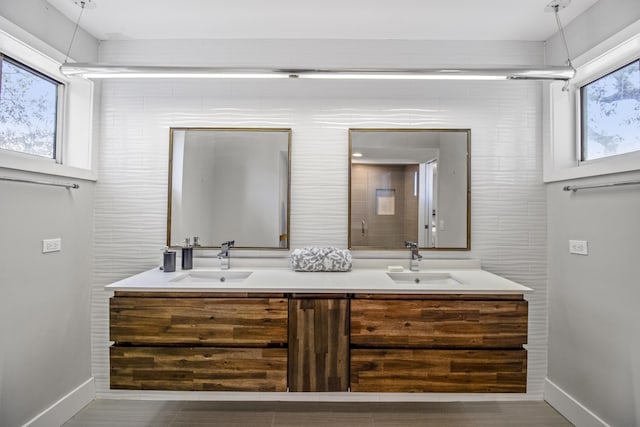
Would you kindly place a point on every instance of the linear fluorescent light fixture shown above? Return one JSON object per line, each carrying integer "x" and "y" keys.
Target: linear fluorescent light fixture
{"x": 93, "y": 71}
{"x": 97, "y": 71}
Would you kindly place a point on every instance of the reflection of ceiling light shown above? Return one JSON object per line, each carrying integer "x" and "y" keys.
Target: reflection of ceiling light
{"x": 98, "y": 71}
{"x": 356, "y": 155}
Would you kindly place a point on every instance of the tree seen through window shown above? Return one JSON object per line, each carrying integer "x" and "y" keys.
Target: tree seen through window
{"x": 611, "y": 113}
{"x": 28, "y": 110}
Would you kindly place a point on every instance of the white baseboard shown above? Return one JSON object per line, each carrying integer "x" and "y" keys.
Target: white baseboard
{"x": 65, "y": 408}
{"x": 569, "y": 407}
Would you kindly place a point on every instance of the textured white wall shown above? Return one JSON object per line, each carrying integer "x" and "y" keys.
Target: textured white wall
{"x": 508, "y": 197}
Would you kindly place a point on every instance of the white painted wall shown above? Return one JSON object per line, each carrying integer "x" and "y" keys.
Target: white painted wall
{"x": 45, "y": 304}
{"x": 246, "y": 174}
{"x": 508, "y": 197}
{"x": 192, "y": 210}
{"x": 45, "y": 298}
{"x": 593, "y": 300}
{"x": 225, "y": 172}
{"x": 452, "y": 190}
{"x": 594, "y": 344}
{"x": 47, "y": 24}
{"x": 604, "y": 19}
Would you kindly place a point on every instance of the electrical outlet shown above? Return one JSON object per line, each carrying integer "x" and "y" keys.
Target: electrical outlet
{"x": 51, "y": 245}
{"x": 578, "y": 247}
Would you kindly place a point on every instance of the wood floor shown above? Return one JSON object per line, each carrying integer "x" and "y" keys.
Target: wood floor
{"x": 138, "y": 413}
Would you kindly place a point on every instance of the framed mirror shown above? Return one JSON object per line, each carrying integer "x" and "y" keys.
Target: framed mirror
{"x": 229, "y": 184}
{"x": 409, "y": 185}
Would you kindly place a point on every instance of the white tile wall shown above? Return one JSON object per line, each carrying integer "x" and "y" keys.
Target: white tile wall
{"x": 508, "y": 197}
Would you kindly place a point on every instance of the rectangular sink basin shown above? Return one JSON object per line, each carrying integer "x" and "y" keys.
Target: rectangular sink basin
{"x": 423, "y": 278}
{"x": 213, "y": 277}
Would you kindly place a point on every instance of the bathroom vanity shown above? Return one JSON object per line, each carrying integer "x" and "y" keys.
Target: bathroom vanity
{"x": 275, "y": 330}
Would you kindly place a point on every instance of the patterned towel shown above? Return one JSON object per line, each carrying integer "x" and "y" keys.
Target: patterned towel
{"x": 321, "y": 259}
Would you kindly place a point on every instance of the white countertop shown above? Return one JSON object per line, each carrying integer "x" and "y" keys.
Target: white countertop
{"x": 366, "y": 279}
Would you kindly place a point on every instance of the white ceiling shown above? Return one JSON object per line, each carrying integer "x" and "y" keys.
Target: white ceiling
{"x": 321, "y": 19}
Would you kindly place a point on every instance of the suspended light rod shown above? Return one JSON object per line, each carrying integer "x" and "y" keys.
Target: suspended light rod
{"x": 96, "y": 71}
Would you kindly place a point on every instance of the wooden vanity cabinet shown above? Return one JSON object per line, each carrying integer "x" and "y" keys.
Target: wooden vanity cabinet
{"x": 198, "y": 341}
{"x": 318, "y": 343}
{"x": 438, "y": 343}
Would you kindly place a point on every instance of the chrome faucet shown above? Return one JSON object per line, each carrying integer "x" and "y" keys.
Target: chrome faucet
{"x": 415, "y": 255}
{"x": 225, "y": 254}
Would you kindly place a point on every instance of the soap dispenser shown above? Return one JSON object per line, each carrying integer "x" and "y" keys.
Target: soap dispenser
{"x": 168, "y": 260}
{"x": 187, "y": 255}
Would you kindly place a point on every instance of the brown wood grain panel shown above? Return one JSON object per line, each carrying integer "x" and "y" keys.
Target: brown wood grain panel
{"x": 240, "y": 322}
{"x": 318, "y": 345}
{"x": 198, "y": 368}
{"x": 442, "y": 371}
{"x": 438, "y": 324}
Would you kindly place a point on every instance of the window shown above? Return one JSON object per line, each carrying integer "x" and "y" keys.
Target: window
{"x": 28, "y": 110}
{"x": 61, "y": 126}
{"x": 594, "y": 121}
{"x": 610, "y": 114}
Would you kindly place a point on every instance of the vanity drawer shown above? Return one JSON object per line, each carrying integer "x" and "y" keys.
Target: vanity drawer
{"x": 424, "y": 323}
{"x": 198, "y": 368}
{"x": 442, "y": 371}
{"x": 233, "y": 322}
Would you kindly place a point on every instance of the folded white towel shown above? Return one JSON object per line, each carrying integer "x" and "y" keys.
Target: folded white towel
{"x": 321, "y": 259}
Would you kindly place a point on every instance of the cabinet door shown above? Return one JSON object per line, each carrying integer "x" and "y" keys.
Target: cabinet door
{"x": 443, "y": 371}
{"x": 234, "y": 322}
{"x": 379, "y": 323}
{"x": 199, "y": 368}
{"x": 318, "y": 345}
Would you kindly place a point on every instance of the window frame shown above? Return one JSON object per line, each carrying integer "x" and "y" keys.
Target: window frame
{"x": 561, "y": 112}
{"x": 76, "y": 157}
{"x": 60, "y": 109}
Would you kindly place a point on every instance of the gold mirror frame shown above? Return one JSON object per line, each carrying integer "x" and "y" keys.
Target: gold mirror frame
{"x": 286, "y": 235}
{"x": 467, "y": 247}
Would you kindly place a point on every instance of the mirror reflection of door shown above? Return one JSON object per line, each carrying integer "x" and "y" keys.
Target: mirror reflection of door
{"x": 409, "y": 184}
{"x": 428, "y": 204}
